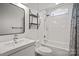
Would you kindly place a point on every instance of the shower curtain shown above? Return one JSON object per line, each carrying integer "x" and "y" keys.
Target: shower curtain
{"x": 74, "y": 42}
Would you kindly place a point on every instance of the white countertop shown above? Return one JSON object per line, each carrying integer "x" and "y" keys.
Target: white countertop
{"x": 9, "y": 46}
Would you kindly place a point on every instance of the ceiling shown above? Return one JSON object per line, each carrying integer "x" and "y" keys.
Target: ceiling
{"x": 39, "y": 6}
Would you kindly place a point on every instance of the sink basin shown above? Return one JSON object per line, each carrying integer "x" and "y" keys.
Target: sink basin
{"x": 23, "y": 41}
{"x": 6, "y": 46}
{"x": 11, "y": 43}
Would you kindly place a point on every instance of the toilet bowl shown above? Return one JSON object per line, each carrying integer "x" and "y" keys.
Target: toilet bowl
{"x": 44, "y": 49}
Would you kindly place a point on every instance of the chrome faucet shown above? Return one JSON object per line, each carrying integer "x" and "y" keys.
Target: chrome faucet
{"x": 15, "y": 38}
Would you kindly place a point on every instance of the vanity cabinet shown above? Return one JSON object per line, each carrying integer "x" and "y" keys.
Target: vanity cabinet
{"x": 24, "y": 47}
{"x": 28, "y": 51}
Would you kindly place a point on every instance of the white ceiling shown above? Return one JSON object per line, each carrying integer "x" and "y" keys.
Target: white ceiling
{"x": 39, "y": 6}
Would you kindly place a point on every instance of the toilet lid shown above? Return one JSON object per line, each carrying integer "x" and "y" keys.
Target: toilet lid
{"x": 44, "y": 49}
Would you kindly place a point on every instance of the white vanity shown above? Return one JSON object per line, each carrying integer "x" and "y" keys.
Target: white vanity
{"x": 23, "y": 47}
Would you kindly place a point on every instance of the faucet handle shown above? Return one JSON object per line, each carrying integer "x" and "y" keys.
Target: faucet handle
{"x": 15, "y": 37}
{"x": 44, "y": 36}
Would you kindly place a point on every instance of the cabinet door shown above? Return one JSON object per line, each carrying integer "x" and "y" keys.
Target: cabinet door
{"x": 29, "y": 51}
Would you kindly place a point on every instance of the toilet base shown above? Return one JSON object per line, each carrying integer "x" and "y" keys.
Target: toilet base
{"x": 38, "y": 54}
{"x": 38, "y": 51}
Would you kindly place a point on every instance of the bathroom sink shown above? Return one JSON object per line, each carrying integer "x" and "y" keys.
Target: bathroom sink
{"x": 11, "y": 46}
{"x": 19, "y": 42}
{"x": 23, "y": 41}
{"x": 10, "y": 43}
{"x": 6, "y": 46}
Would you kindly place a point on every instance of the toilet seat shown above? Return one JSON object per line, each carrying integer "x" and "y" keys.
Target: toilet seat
{"x": 44, "y": 49}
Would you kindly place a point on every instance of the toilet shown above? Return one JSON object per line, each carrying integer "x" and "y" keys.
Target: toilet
{"x": 42, "y": 50}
